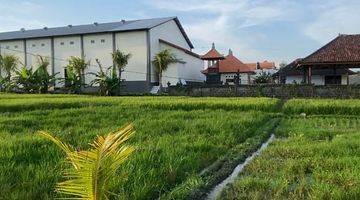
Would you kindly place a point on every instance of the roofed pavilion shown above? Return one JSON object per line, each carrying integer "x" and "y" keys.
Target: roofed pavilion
{"x": 341, "y": 53}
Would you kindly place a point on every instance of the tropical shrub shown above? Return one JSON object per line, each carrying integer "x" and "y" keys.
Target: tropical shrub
{"x": 107, "y": 80}
{"x": 35, "y": 81}
{"x": 263, "y": 78}
{"x": 75, "y": 74}
{"x": 8, "y": 65}
{"x": 93, "y": 169}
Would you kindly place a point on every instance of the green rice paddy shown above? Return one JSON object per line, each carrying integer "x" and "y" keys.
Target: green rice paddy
{"x": 185, "y": 146}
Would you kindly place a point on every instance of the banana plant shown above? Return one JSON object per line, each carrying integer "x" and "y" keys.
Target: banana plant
{"x": 93, "y": 169}
{"x": 35, "y": 81}
{"x": 107, "y": 80}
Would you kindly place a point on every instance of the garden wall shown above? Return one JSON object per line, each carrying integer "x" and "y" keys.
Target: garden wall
{"x": 276, "y": 91}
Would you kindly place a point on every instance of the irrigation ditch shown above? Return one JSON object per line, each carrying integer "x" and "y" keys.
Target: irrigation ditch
{"x": 225, "y": 170}
{"x": 238, "y": 169}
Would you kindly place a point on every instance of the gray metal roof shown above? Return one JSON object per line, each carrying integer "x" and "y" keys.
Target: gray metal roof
{"x": 121, "y": 26}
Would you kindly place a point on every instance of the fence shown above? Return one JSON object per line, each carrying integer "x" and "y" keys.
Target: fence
{"x": 276, "y": 91}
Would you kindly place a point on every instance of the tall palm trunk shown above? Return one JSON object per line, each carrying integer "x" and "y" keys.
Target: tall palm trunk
{"x": 160, "y": 79}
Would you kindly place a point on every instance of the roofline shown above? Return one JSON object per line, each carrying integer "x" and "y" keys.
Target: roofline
{"x": 327, "y": 44}
{"x": 75, "y": 34}
{"x": 180, "y": 48}
{"x": 177, "y": 21}
{"x": 322, "y": 64}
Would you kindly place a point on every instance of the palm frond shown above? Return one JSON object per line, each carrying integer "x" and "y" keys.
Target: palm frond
{"x": 94, "y": 168}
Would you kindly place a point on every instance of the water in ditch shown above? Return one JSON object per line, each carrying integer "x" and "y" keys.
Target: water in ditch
{"x": 217, "y": 189}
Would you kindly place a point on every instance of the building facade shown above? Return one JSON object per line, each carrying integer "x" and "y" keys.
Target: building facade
{"x": 143, "y": 39}
{"x": 230, "y": 70}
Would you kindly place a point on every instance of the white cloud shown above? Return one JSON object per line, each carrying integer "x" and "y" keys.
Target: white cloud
{"x": 221, "y": 21}
{"x": 334, "y": 17}
{"x": 15, "y": 23}
{"x": 15, "y": 15}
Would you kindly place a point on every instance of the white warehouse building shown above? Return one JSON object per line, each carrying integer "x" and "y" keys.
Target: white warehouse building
{"x": 141, "y": 38}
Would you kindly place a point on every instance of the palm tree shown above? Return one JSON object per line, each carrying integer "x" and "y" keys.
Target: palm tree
{"x": 120, "y": 60}
{"x": 8, "y": 64}
{"x": 94, "y": 168}
{"x": 78, "y": 65}
{"x": 75, "y": 74}
{"x": 162, "y": 60}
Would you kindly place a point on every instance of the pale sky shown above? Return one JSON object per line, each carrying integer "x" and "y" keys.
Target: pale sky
{"x": 256, "y": 30}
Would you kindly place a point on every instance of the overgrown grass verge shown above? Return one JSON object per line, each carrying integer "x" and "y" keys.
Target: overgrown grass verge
{"x": 317, "y": 158}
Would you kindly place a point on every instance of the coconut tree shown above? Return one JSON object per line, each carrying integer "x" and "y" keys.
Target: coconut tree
{"x": 78, "y": 65}
{"x": 120, "y": 60}
{"x": 92, "y": 170}
{"x": 162, "y": 61}
{"x": 8, "y": 64}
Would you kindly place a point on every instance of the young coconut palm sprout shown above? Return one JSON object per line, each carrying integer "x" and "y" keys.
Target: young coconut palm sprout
{"x": 93, "y": 169}
{"x": 107, "y": 80}
{"x": 162, "y": 60}
{"x": 8, "y": 64}
{"x": 120, "y": 60}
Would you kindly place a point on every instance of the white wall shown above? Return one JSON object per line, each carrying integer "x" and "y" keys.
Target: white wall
{"x": 170, "y": 32}
{"x": 315, "y": 79}
{"x": 318, "y": 80}
{"x": 97, "y": 50}
{"x": 134, "y": 43}
{"x": 293, "y": 79}
{"x": 244, "y": 78}
{"x": 15, "y": 48}
{"x": 36, "y": 48}
{"x": 64, "y": 48}
{"x": 189, "y": 69}
{"x": 344, "y": 80}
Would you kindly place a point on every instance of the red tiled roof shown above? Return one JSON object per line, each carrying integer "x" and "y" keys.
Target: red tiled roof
{"x": 263, "y": 65}
{"x": 231, "y": 64}
{"x": 213, "y": 54}
{"x": 345, "y": 49}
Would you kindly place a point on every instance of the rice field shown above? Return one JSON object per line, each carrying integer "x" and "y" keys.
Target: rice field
{"x": 323, "y": 106}
{"x": 176, "y": 139}
{"x": 185, "y": 146}
{"x": 314, "y": 157}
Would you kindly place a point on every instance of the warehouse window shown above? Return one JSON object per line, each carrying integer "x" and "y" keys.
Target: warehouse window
{"x": 16, "y": 46}
{"x": 33, "y": 45}
{"x": 43, "y": 45}
{"x": 62, "y": 43}
{"x": 102, "y": 40}
{"x": 92, "y": 41}
{"x": 72, "y": 42}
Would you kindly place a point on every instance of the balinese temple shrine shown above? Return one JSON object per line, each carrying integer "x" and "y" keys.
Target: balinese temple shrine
{"x": 229, "y": 69}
